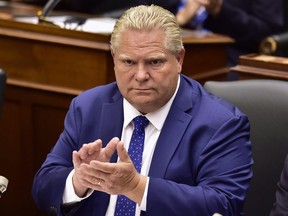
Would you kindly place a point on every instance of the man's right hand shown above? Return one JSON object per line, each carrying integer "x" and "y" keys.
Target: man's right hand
{"x": 89, "y": 152}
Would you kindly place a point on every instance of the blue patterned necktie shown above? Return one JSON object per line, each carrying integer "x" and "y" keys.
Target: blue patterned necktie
{"x": 125, "y": 206}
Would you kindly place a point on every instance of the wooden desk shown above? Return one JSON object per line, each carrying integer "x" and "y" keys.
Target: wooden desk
{"x": 54, "y": 56}
{"x": 33, "y": 117}
{"x": 256, "y": 66}
{"x": 47, "y": 67}
{"x": 81, "y": 60}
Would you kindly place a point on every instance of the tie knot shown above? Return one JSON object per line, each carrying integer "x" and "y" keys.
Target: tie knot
{"x": 140, "y": 122}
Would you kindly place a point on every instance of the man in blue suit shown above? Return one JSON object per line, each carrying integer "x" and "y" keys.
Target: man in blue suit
{"x": 197, "y": 154}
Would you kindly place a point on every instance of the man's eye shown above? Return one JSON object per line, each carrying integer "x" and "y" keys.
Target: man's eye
{"x": 128, "y": 62}
{"x": 156, "y": 62}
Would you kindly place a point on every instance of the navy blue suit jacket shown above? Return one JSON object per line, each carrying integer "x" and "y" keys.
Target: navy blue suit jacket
{"x": 201, "y": 164}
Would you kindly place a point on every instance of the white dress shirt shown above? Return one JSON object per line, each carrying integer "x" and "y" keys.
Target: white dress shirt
{"x": 152, "y": 132}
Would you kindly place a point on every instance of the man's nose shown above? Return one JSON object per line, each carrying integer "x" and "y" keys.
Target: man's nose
{"x": 141, "y": 72}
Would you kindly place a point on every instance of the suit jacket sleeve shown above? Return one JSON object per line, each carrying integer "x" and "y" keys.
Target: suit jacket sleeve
{"x": 83, "y": 124}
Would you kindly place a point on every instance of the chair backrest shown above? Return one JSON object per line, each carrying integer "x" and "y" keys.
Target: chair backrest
{"x": 2, "y": 88}
{"x": 265, "y": 102}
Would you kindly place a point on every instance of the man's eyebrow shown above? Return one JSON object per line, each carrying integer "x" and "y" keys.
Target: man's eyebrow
{"x": 123, "y": 56}
{"x": 152, "y": 57}
{"x": 157, "y": 56}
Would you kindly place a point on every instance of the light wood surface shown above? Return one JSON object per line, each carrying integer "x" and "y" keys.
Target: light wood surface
{"x": 258, "y": 66}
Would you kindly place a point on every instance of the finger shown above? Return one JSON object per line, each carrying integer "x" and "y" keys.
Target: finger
{"x": 122, "y": 152}
{"x": 204, "y": 2}
{"x": 92, "y": 182}
{"x": 87, "y": 175}
{"x": 83, "y": 152}
{"x": 90, "y": 148}
{"x": 101, "y": 167}
{"x": 76, "y": 159}
{"x": 95, "y": 146}
{"x": 111, "y": 147}
{"x": 95, "y": 186}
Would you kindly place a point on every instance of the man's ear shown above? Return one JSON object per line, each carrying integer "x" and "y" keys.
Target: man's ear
{"x": 180, "y": 59}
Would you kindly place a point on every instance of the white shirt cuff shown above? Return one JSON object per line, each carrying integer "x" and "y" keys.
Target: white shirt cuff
{"x": 69, "y": 194}
{"x": 144, "y": 199}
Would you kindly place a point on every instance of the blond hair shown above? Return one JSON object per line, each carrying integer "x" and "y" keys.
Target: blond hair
{"x": 148, "y": 18}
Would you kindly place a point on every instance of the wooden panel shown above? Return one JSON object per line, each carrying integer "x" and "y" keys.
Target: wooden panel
{"x": 32, "y": 120}
{"x": 54, "y": 59}
{"x": 205, "y": 62}
{"x": 54, "y": 64}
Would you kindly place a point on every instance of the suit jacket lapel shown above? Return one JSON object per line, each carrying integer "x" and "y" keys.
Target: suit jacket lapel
{"x": 172, "y": 131}
{"x": 112, "y": 118}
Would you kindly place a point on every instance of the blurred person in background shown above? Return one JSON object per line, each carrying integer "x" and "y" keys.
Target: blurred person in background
{"x": 246, "y": 21}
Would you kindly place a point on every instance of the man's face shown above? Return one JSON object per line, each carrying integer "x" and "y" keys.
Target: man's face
{"x": 145, "y": 71}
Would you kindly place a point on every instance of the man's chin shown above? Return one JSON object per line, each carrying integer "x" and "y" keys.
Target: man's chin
{"x": 140, "y": 101}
